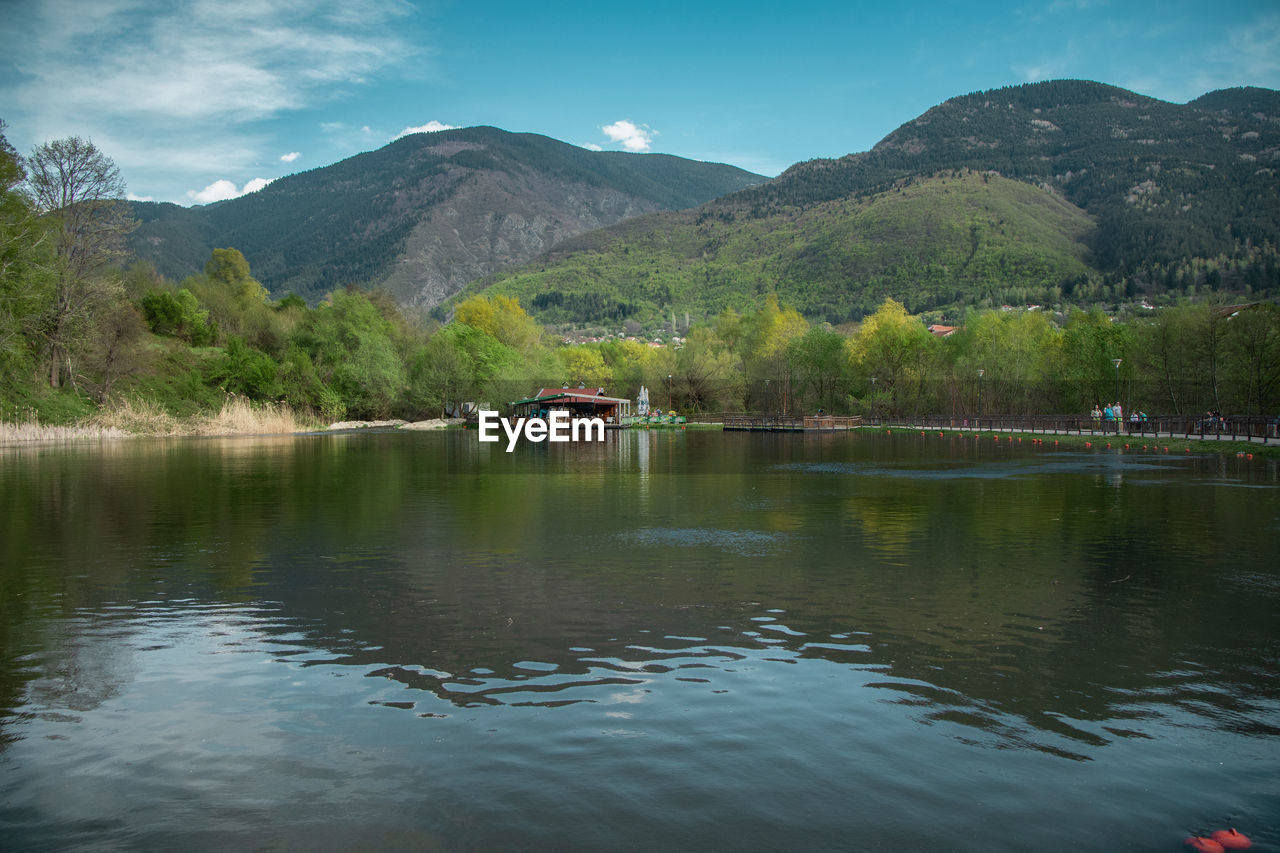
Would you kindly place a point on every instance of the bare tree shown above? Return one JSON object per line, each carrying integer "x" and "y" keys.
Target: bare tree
{"x": 80, "y": 192}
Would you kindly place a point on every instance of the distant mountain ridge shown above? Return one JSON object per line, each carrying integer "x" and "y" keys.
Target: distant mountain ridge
{"x": 1063, "y": 190}
{"x": 427, "y": 213}
{"x": 1191, "y": 167}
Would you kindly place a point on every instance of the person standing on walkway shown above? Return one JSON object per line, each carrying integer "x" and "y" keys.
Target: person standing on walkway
{"x": 1119, "y": 415}
{"x": 1096, "y": 414}
{"x": 1108, "y": 415}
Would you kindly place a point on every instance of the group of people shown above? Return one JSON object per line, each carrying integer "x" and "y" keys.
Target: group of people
{"x": 1105, "y": 417}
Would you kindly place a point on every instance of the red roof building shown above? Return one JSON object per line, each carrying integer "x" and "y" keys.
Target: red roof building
{"x": 578, "y": 402}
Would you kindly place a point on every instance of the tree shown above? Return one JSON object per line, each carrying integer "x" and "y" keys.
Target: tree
{"x": 584, "y": 366}
{"x": 1253, "y": 349}
{"x": 236, "y": 302}
{"x": 708, "y": 373}
{"x": 79, "y": 191}
{"x": 894, "y": 347}
{"x": 351, "y": 346}
{"x": 23, "y": 284}
{"x": 502, "y": 318}
{"x": 820, "y": 364}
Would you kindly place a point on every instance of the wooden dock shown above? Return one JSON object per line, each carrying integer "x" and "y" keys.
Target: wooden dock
{"x": 790, "y": 423}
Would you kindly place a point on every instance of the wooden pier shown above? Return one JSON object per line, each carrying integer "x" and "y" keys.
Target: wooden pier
{"x": 790, "y": 423}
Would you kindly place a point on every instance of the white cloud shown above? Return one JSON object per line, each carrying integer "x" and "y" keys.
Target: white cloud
{"x": 629, "y": 135}
{"x": 591, "y": 146}
{"x": 222, "y": 190}
{"x": 133, "y": 197}
{"x": 178, "y": 71}
{"x": 290, "y": 157}
{"x": 432, "y": 126}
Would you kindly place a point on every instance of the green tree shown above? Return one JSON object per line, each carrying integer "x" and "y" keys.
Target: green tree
{"x": 177, "y": 313}
{"x": 1253, "y": 352}
{"x": 584, "y": 365}
{"x": 894, "y": 347}
{"x": 351, "y": 345}
{"x": 1090, "y": 343}
{"x": 766, "y": 336}
{"x": 25, "y": 286}
{"x": 237, "y": 303}
{"x": 247, "y": 371}
{"x": 821, "y": 369}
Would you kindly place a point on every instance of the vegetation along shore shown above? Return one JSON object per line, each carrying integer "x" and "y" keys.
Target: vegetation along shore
{"x": 926, "y": 277}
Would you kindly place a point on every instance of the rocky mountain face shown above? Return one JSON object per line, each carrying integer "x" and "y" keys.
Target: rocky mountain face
{"x": 426, "y": 214}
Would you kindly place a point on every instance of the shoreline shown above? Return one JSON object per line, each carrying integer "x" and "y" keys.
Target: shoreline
{"x": 34, "y": 434}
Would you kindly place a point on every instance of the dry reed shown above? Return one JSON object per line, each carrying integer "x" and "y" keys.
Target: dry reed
{"x": 126, "y": 417}
{"x": 32, "y": 430}
{"x": 239, "y": 417}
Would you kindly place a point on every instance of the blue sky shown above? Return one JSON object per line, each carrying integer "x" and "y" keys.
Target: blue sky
{"x": 198, "y": 100}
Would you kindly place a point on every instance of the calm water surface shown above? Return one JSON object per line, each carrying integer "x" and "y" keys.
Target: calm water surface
{"x": 669, "y": 641}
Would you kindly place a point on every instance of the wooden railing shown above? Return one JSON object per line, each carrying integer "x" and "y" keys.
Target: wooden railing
{"x": 788, "y": 423}
{"x": 1240, "y": 428}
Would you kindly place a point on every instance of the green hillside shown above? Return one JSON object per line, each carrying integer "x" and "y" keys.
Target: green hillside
{"x": 1167, "y": 183}
{"x": 931, "y": 243}
{"x": 513, "y": 195}
{"x": 1071, "y": 191}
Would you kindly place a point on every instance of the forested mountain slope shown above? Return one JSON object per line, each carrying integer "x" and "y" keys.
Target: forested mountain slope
{"x": 1061, "y": 190}
{"x": 937, "y": 241}
{"x": 426, "y": 214}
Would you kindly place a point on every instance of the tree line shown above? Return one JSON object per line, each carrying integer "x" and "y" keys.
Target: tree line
{"x": 80, "y": 324}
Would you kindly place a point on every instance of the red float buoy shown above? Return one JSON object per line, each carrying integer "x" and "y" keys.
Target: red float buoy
{"x": 1230, "y": 839}
{"x": 1088, "y": 444}
{"x": 1204, "y": 845}
{"x": 1248, "y": 456}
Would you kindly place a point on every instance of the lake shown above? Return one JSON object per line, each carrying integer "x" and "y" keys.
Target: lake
{"x": 668, "y": 640}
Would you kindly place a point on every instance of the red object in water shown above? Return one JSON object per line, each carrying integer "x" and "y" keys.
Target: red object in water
{"x": 1204, "y": 845}
{"x": 1230, "y": 839}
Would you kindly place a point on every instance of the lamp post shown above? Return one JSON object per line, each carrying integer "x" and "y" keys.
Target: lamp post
{"x": 873, "y": 398}
{"x": 980, "y": 372}
{"x": 1116, "y": 362}
{"x": 669, "y": 392}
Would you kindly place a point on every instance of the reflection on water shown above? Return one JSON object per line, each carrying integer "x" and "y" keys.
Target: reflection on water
{"x": 665, "y": 640}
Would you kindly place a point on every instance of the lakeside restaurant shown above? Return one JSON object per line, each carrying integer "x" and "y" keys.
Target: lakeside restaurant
{"x": 578, "y": 402}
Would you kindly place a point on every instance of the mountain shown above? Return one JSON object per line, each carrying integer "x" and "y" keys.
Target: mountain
{"x": 426, "y": 214}
{"x": 1067, "y": 190}
{"x": 947, "y": 240}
